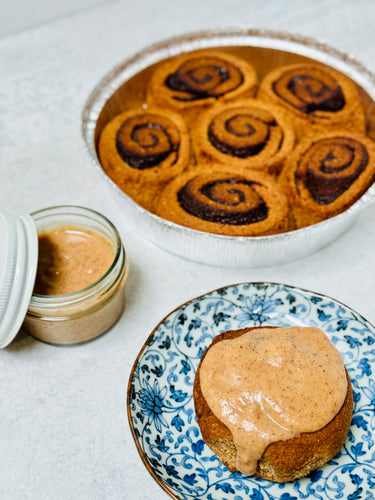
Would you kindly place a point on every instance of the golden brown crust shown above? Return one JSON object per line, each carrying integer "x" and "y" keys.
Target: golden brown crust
{"x": 207, "y": 75}
{"x": 284, "y": 460}
{"x": 300, "y": 89}
{"x": 327, "y": 173}
{"x": 224, "y": 200}
{"x": 247, "y": 133}
{"x": 141, "y": 150}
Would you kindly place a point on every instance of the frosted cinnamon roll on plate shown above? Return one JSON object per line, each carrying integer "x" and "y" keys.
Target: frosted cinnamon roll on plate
{"x": 274, "y": 402}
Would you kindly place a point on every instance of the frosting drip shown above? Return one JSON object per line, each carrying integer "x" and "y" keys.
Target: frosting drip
{"x": 273, "y": 384}
{"x": 144, "y": 141}
{"x": 245, "y": 133}
{"x": 230, "y": 200}
{"x": 310, "y": 90}
{"x": 202, "y": 77}
{"x": 330, "y": 166}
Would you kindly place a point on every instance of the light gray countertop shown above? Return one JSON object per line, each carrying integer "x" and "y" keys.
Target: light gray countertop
{"x": 64, "y": 432}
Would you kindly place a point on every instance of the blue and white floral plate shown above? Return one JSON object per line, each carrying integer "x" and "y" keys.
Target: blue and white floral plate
{"x": 161, "y": 408}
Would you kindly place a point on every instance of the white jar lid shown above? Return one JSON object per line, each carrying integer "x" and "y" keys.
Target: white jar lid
{"x": 18, "y": 265}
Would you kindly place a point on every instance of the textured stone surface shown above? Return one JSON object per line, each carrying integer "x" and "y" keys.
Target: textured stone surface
{"x": 64, "y": 431}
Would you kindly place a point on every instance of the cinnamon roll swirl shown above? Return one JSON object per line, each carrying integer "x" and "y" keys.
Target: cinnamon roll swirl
{"x": 246, "y": 133}
{"x": 223, "y": 201}
{"x": 327, "y": 173}
{"x": 195, "y": 81}
{"x": 314, "y": 96}
{"x": 142, "y": 150}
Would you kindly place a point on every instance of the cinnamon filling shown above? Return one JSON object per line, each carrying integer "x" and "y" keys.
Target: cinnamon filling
{"x": 146, "y": 140}
{"x": 231, "y": 201}
{"x": 245, "y": 132}
{"x": 330, "y": 167}
{"x": 310, "y": 91}
{"x": 199, "y": 78}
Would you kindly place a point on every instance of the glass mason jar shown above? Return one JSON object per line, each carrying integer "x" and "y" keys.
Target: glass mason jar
{"x": 82, "y": 315}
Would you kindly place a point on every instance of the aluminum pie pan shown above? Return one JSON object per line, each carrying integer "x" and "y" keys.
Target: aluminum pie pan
{"x": 120, "y": 89}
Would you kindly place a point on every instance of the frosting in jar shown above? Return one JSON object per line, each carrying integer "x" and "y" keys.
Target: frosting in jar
{"x": 272, "y": 384}
{"x": 70, "y": 259}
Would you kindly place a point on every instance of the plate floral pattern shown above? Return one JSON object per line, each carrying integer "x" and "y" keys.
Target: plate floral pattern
{"x": 161, "y": 407}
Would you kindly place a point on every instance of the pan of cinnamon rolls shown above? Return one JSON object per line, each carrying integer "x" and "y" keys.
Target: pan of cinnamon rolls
{"x": 245, "y": 148}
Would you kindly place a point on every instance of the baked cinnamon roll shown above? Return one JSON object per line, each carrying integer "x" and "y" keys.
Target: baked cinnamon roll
{"x": 194, "y": 81}
{"x": 142, "y": 150}
{"x": 282, "y": 460}
{"x": 315, "y": 97}
{"x": 327, "y": 173}
{"x": 219, "y": 200}
{"x": 246, "y": 133}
